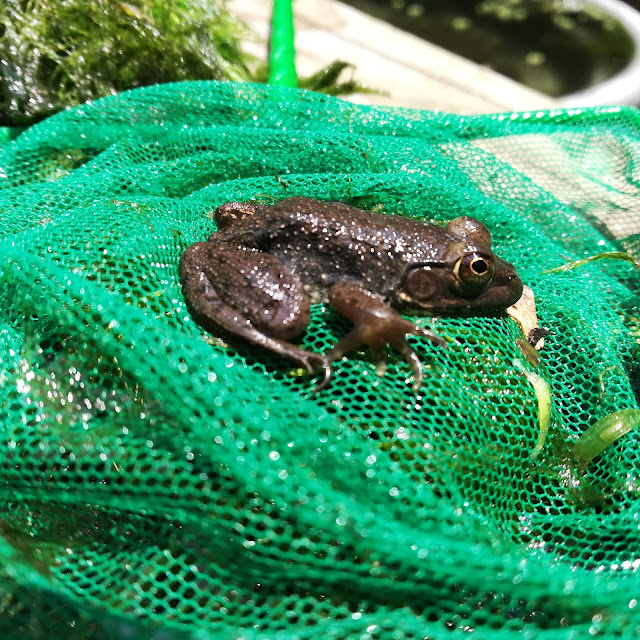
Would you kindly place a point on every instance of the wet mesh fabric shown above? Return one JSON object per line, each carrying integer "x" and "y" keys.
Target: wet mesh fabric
{"x": 158, "y": 481}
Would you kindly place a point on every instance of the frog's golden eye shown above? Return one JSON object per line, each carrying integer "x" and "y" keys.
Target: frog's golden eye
{"x": 474, "y": 271}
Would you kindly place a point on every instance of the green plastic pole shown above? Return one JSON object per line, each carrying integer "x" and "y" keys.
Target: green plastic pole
{"x": 9, "y": 133}
{"x": 282, "y": 53}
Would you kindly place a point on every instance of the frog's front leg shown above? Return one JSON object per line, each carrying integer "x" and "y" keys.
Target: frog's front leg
{"x": 248, "y": 294}
{"x": 375, "y": 324}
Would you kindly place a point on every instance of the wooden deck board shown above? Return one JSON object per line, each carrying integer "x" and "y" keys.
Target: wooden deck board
{"x": 411, "y": 72}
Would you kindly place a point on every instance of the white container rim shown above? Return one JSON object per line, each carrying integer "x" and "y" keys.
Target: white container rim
{"x": 624, "y": 87}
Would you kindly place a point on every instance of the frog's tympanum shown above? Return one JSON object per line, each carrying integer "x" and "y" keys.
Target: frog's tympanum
{"x": 257, "y": 276}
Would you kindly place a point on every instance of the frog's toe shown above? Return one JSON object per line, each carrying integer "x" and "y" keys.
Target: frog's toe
{"x": 410, "y": 356}
{"x": 434, "y": 338}
{"x": 315, "y": 363}
{"x": 416, "y": 368}
{"x": 326, "y": 375}
{"x": 379, "y": 359}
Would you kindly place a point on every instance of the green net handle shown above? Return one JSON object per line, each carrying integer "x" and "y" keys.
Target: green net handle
{"x": 9, "y": 133}
{"x": 282, "y": 66}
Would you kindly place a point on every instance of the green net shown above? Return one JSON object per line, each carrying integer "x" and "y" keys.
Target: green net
{"x": 159, "y": 482}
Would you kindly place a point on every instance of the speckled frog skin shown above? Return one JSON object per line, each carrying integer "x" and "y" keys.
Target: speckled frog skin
{"x": 257, "y": 276}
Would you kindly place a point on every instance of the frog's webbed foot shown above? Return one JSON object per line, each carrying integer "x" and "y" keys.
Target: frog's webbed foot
{"x": 376, "y": 325}
{"x": 314, "y": 363}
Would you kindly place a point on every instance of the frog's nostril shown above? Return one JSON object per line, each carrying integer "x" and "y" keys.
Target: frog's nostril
{"x": 512, "y": 275}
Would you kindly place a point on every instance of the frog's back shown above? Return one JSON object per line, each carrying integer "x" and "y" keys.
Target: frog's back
{"x": 298, "y": 221}
{"x": 319, "y": 216}
{"x": 324, "y": 242}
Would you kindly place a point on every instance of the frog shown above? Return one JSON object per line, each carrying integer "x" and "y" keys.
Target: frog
{"x": 256, "y": 277}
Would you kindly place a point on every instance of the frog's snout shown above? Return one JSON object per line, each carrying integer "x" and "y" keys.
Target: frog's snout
{"x": 509, "y": 282}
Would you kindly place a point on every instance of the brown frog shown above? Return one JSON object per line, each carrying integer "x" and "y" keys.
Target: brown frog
{"x": 257, "y": 276}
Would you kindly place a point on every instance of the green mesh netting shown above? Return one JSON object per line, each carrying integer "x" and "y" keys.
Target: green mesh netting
{"x": 158, "y": 482}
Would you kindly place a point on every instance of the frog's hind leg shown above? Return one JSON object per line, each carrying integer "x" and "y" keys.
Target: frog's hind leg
{"x": 248, "y": 294}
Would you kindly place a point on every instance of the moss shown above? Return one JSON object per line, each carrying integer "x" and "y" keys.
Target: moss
{"x": 57, "y": 53}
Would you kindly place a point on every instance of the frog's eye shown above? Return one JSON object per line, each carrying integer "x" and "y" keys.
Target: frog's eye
{"x": 474, "y": 271}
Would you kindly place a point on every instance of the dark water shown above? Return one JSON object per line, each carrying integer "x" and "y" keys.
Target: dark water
{"x": 551, "y": 51}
